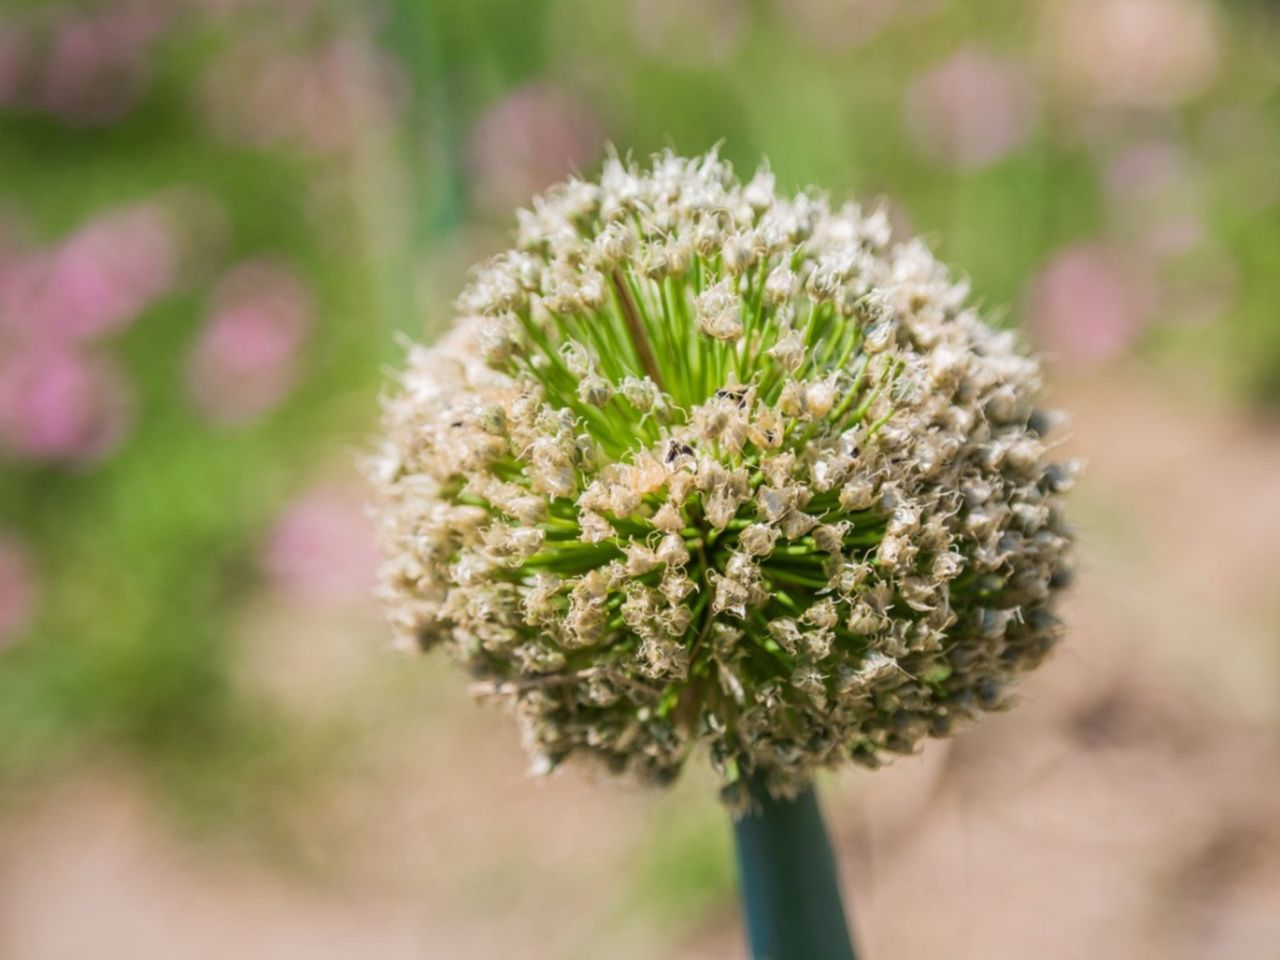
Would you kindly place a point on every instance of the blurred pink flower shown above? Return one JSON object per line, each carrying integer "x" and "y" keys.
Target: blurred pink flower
{"x": 246, "y": 358}
{"x": 96, "y": 282}
{"x": 839, "y": 24}
{"x": 1142, "y": 53}
{"x": 96, "y": 63}
{"x": 110, "y": 270}
{"x": 322, "y": 548}
{"x": 1085, "y": 307}
{"x": 61, "y": 404}
{"x": 694, "y": 33}
{"x": 1147, "y": 167}
{"x": 17, "y": 589}
{"x": 13, "y": 234}
{"x": 15, "y": 45}
{"x": 317, "y": 100}
{"x": 1174, "y": 236}
{"x": 526, "y": 141}
{"x": 971, "y": 110}
{"x": 1156, "y": 200}
{"x": 295, "y": 9}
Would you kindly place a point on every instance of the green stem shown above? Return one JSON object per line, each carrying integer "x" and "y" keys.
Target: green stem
{"x": 635, "y": 328}
{"x": 414, "y": 34}
{"x": 787, "y": 874}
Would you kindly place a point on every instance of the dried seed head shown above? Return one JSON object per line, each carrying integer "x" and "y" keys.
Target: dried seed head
{"x": 703, "y": 463}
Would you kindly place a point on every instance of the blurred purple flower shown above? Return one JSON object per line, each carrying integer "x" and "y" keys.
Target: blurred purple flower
{"x": 1085, "y": 307}
{"x": 245, "y": 361}
{"x": 1133, "y": 53}
{"x": 96, "y": 282}
{"x": 526, "y": 141}
{"x": 322, "y": 548}
{"x": 18, "y": 591}
{"x": 971, "y": 110}
{"x": 60, "y": 404}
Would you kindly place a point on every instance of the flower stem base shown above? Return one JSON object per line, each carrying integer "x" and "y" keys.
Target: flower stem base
{"x": 787, "y": 875}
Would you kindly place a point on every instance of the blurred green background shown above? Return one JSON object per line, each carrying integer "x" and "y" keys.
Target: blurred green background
{"x": 216, "y": 217}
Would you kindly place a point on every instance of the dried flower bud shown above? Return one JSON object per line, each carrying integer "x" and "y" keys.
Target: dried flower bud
{"x": 781, "y": 285}
{"x": 720, "y": 312}
{"x": 789, "y": 351}
{"x": 594, "y": 390}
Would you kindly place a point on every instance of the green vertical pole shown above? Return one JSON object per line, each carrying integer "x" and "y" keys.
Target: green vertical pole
{"x": 787, "y": 876}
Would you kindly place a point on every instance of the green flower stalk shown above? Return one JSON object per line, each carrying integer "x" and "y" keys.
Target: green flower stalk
{"x": 700, "y": 464}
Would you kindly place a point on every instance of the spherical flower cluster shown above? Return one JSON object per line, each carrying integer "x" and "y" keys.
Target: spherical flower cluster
{"x": 700, "y": 463}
